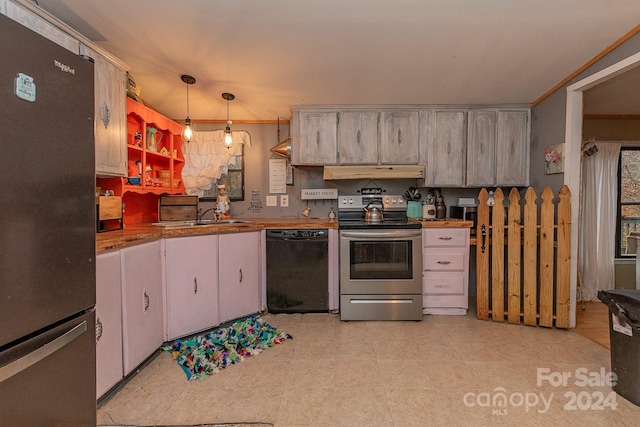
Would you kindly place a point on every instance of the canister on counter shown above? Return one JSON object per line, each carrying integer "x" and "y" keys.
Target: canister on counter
{"x": 428, "y": 210}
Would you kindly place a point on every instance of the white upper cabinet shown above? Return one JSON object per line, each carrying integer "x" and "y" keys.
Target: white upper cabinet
{"x": 358, "y": 137}
{"x": 110, "y": 116}
{"x": 481, "y": 148}
{"x": 513, "y": 148}
{"x": 315, "y": 138}
{"x": 446, "y": 148}
{"x": 399, "y": 137}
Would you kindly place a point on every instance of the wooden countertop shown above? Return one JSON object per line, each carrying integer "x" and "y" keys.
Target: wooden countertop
{"x": 445, "y": 223}
{"x": 140, "y": 233}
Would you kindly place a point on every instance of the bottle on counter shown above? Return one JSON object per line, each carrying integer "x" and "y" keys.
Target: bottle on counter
{"x": 441, "y": 208}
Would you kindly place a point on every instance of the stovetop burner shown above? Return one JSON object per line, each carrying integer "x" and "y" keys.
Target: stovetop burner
{"x": 351, "y": 212}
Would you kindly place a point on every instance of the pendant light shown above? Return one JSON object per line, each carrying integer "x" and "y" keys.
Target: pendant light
{"x": 228, "y": 139}
{"x": 187, "y": 132}
{"x": 283, "y": 148}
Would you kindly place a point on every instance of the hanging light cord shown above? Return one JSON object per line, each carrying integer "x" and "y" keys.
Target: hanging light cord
{"x": 188, "y": 100}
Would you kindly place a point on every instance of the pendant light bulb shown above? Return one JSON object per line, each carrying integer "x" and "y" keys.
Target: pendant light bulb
{"x": 187, "y": 131}
{"x": 228, "y": 138}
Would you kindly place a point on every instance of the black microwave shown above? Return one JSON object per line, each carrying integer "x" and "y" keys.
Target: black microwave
{"x": 468, "y": 213}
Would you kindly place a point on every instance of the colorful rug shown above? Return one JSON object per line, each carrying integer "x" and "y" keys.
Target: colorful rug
{"x": 207, "y": 354}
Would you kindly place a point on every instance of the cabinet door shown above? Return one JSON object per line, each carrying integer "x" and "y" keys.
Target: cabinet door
{"x": 358, "y": 138}
{"x": 110, "y": 119}
{"x": 108, "y": 322}
{"x": 513, "y": 148}
{"x": 142, "y": 303}
{"x": 399, "y": 137}
{"x": 317, "y": 137}
{"x": 445, "y": 166}
{"x": 191, "y": 274}
{"x": 239, "y": 287}
{"x": 481, "y": 153}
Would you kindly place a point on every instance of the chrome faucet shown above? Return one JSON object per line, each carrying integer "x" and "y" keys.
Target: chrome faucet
{"x": 201, "y": 214}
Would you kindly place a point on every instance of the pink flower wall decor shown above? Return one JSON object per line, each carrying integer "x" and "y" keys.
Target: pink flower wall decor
{"x": 554, "y": 159}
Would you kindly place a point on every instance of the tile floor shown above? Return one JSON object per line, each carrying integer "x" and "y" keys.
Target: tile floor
{"x": 444, "y": 371}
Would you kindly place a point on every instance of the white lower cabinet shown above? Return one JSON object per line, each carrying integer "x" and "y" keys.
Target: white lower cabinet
{"x": 170, "y": 288}
{"x": 109, "y": 369}
{"x": 191, "y": 277}
{"x": 239, "y": 286}
{"x": 445, "y": 277}
{"x": 142, "y": 303}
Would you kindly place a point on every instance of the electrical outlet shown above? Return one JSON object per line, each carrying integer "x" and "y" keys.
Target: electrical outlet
{"x": 272, "y": 200}
{"x": 284, "y": 200}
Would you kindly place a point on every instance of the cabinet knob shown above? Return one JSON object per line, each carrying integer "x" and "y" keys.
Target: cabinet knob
{"x": 195, "y": 285}
{"x": 445, "y": 238}
{"x": 399, "y": 136}
{"x": 444, "y": 262}
{"x": 240, "y": 275}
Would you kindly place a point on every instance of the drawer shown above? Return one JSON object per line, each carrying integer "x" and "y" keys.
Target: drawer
{"x": 436, "y": 282}
{"x": 437, "y": 237}
{"x": 445, "y": 259}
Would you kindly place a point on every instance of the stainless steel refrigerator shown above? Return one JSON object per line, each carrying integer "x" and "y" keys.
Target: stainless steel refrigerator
{"x": 47, "y": 233}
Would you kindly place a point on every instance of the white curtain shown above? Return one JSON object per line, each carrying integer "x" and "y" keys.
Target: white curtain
{"x": 598, "y": 219}
{"x": 207, "y": 157}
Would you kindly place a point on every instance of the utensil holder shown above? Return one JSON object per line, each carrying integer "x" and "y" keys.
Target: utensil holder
{"x": 414, "y": 209}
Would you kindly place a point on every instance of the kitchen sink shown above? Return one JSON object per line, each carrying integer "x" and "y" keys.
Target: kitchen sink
{"x": 194, "y": 223}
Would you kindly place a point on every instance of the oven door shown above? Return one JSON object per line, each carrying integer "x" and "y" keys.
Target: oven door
{"x": 381, "y": 261}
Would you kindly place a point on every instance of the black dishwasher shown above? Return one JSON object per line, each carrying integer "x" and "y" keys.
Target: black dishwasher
{"x": 297, "y": 271}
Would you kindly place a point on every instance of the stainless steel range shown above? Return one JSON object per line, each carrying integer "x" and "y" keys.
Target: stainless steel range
{"x": 380, "y": 259}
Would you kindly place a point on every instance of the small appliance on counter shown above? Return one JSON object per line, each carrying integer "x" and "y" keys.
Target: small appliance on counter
{"x": 467, "y": 210}
{"x": 108, "y": 213}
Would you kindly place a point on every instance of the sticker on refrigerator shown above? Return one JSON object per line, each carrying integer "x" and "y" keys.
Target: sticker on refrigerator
{"x": 615, "y": 322}
{"x": 25, "y": 87}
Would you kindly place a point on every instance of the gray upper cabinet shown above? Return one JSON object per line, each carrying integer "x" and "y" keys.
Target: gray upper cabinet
{"x": 473, "y": 146}
{"x": 446, "y": 148}
{"x": 315, "y": 138}
{"x": 481, "y": 148}
{"x": 512, "y": 148}
{"x": 110, "y": 118}
{"x": 358, "y": 137}
{"x": 399, "y": 137}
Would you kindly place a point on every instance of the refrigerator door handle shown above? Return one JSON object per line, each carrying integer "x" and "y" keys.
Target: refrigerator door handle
{"x": 41, "y": 353}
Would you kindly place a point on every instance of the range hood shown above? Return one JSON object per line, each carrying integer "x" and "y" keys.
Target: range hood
{"x": 373, "y": 172}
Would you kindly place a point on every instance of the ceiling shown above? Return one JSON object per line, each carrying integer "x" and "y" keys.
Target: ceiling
{"x": 278, "y": 53}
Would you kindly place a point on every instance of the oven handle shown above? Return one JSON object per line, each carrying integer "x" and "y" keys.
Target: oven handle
{"x": 381, "y": 234}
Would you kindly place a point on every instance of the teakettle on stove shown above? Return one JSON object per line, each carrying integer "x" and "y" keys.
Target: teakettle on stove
{"x": 373, "y": 213}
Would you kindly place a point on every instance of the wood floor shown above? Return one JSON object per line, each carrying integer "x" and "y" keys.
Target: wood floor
{"x": 593, "y": 322}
